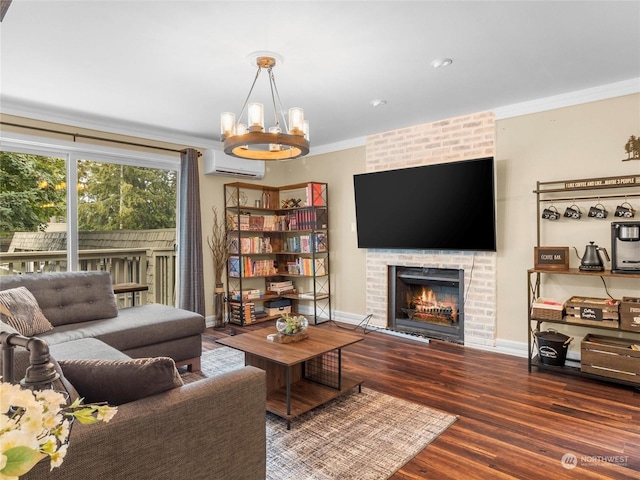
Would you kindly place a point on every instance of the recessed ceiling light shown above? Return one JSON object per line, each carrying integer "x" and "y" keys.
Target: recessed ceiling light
{"x": 441, "y": 62}
{"x": 378, "y": 103}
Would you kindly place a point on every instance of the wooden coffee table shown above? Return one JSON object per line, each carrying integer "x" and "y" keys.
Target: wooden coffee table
{"x": 301, "y": 375}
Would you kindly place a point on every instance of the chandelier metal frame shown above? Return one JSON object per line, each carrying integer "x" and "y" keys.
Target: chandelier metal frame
{"x": 251, "y": 141}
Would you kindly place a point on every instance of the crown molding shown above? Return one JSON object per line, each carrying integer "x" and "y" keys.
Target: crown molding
{"x": 602, "y": 92}
{"x": 101, "y": 124}
{"x": 35, "y": 112}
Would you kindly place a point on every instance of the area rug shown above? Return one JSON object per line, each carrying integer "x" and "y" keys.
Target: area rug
{"x": 367, "y": 435}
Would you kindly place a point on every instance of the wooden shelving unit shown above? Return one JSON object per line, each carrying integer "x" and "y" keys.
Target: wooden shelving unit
{"x": 277, "y": 234}
{"x": 566, "y": 190}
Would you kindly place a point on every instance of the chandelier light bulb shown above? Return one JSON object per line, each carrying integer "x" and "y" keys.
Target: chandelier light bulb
{"x": 255, "y": 111}
{"x": 296, "y": 120}
{"x": 305, "y": 129}
{"x": 227, "y": 124}
{"x": 274, "y": 147}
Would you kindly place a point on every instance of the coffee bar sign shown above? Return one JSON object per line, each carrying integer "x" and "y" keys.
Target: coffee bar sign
{"x": 551, "y": 258}
{"x": 600, "y": 182}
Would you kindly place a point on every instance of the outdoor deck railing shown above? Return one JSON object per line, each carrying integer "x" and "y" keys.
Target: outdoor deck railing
{"x": 155, "y": 268}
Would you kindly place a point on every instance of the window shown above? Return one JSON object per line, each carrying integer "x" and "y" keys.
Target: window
{"x": 119, "y": 217}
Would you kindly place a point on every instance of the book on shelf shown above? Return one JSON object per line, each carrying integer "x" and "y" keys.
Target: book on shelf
{"x": 307, "y": 266}
{"x": 252, "y": 245}
{"x": 280, "y": 287}
{"x": 308, "y": 219}
{"x": 247, "y": 267}
{"x": 234, "y": 266}
{"x": 314, "y": 195}
{"x": 248, "y": 294}
{"x": 233, "y": 245}
{"x": 245, "y": 313}
{"x": 232, "y": 222}
{"x": 320, "y": 242}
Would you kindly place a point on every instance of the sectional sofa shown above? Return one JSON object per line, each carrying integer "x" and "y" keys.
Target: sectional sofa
{"x": 212, "y": 428}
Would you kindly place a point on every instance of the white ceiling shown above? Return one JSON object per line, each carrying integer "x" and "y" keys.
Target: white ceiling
{"x": 171, "y": 67}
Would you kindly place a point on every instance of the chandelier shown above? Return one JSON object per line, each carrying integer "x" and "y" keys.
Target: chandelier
{"x": 249, "y": 140}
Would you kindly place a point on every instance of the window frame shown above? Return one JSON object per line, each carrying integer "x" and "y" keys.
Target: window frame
{"x": 71, "y": 152}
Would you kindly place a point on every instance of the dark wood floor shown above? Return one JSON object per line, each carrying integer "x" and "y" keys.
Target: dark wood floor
{"x": 512, "y": 423}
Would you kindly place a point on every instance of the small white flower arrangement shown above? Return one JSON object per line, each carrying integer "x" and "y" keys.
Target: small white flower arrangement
{"x": 35, "y": 424}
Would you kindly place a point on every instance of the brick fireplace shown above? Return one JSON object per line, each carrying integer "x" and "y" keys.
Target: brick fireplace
{"x": 461, "y": 138}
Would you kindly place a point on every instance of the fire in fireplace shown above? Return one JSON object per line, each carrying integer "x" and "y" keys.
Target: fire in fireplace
{"x": 427, "y": 301}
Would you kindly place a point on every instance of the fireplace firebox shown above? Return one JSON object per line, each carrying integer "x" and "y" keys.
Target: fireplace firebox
{"x": 427, "y": 301}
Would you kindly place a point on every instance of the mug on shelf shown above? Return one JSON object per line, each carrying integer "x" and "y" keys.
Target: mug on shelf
{"x": 598, "y": 211}
{"x": 625, "y": 210}
{"x": 551, "y": 213}
{"x": 573, "y": 211}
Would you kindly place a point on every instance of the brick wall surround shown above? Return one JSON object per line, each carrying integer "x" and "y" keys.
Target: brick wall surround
{"x": 460, "y": 138}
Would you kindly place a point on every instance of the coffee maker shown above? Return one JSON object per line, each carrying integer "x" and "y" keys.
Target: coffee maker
{"x": 625, "y": 247}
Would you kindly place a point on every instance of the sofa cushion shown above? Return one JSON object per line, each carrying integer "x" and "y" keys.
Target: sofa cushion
{"x": 85, "y": 349}
{"x": 121, "y": 381}
{"x": 21, "y": 361}
{"x": 134, "y": 327}
{"x": 19, "y": 309}
{"x": 69, "y": 297}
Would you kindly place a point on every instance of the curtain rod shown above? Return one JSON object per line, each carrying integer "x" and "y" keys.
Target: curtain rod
{"x": 91, "y": 137}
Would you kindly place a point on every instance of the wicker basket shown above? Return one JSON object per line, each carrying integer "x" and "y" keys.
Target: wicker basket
{"x": 546, "y": 309}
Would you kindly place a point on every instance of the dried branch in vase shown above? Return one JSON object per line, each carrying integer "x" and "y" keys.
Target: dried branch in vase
{"x": 218, "y": 246}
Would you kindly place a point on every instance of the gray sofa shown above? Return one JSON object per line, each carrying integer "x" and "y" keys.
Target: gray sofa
{"x": 82, "y": 305}
{"x": 213, "y": 428}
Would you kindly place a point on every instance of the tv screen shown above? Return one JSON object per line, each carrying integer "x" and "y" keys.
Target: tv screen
{"x": 447, "y": 206}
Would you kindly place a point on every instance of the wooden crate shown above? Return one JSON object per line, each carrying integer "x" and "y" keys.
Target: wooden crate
{"x": 630, "y": 314}
{"x": 601, "y": 312}
{"x": 610, "y": 357}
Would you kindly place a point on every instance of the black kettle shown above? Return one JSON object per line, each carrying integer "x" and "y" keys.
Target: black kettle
{"x": 592, "y": 260}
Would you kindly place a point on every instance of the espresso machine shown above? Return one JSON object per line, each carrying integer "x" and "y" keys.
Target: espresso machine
{"x": 625, "y": 247}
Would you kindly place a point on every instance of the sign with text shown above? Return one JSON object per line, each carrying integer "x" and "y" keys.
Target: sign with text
{"x": 600, "y": 182}
{"x": 551, "y": 258}
{"x": 591, "y": 313}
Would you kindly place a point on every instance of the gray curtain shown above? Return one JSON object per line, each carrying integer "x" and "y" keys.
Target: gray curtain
{"x": 190, "y": 276}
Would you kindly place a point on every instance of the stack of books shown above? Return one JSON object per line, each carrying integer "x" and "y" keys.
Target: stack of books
{"x": 280, "y": 287}
{"x": 243, "y": 314}
{"x": 246, "y": 294}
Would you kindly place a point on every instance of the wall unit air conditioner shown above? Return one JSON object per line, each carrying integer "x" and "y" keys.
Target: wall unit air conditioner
{"x": 217, "y": 163}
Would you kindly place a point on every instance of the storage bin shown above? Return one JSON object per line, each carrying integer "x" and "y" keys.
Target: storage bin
{"x": 611, "y": 357}
{"x": 547, "y": 309}
{"x": 552, "y": 347}
{"x": 601, "y": 312}
{"x": 278, "y": 310}
{"x": 630, "y": 314}
{"x": 281, "y": 302}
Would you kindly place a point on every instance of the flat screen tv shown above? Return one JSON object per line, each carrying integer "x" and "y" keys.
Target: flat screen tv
{"x": 446, "y": 206}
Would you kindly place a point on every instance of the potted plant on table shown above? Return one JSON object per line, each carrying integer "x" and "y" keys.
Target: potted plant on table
{"x": 219, "y": 248}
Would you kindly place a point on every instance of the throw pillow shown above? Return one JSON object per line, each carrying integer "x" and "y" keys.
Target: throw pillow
{"x": 121, "y": 381}
{"x": 20, "y": 309}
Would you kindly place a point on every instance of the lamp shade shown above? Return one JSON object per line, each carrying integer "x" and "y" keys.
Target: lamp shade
{"x": 296, "y": 120}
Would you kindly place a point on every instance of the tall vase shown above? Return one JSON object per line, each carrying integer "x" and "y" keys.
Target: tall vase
{"x": 218, "y": 306}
